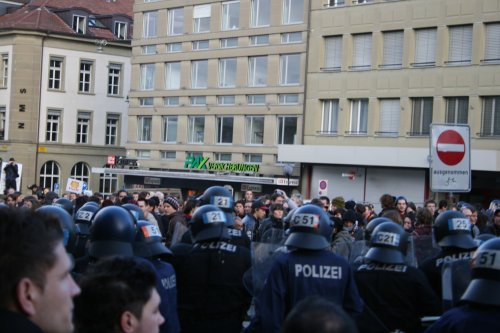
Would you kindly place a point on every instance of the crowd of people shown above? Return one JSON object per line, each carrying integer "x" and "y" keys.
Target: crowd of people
{"x": 150, "y": 262}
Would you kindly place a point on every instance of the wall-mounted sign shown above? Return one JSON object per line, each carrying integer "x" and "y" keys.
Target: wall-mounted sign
{"x": 202, "y": 163}
{"x": 251, "y": 187}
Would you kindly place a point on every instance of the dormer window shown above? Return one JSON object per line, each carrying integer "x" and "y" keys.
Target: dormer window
{"x": 79, "y": 24}
{"x": 121, "y": 30}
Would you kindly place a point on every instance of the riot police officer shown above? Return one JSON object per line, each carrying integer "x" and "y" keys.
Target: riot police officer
{"x": 309, "y": 268}
{"x": 211, "y": 294}
{"x": 398, "y": 294}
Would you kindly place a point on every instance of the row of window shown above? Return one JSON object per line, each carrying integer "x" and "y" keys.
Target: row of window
{"x": 219, "y": 157}
{"x": 257, "y": 99}
{"x": 457, "y": 112}
{"x": 254, "y": 129}
{"x": 459, "y": 48}
{"x": 79, "y": 25}
{"x": 292, "y": 13}
{"x": 50, "y": 174}
{"x": 257, "y": 73}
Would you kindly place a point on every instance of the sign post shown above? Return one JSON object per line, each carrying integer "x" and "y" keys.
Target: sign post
{"x": 323, "y": 187}
{"x": 450, "y": 158}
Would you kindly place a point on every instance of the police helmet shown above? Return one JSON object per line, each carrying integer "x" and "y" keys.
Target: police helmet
{"x": 388, "y": 244}
{"x": 67, "y": 224}
{"x": 484, "y": 287}
{"x": 135, "y": 210}
{"x": 373, "y": 224}
{"x": 65, "y": 204}
{"x": 112, "y": 233}
{"x": 453, "y": 229}
{"x": 310, "y": 228}
{"x": 85, "y": 214}
{"x": 481, "y": 238}
{"x": 148, "y": 241}
{"x": 208, "y": 223}
{"x": 220, "y": 197}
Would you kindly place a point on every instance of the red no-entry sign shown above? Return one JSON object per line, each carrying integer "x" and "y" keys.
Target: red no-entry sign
{"x": 450, "y": 147}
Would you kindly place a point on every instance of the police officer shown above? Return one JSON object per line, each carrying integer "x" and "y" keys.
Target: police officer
{"x": 309, "y": 268}
{"x": 210, "y": 287}
{"x": 83, "y": 221}
{"x": 398, "y": 294}
{"x": 480, "y": 307}
{"x": 452, "y": 233}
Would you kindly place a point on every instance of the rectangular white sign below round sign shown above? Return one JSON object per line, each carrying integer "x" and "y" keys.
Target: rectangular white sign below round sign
{"x": 450, "y": 158}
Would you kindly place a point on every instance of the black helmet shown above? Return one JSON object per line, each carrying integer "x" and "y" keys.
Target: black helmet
{"x": 148, "y": 241}
{"x": 112, "y": 232}
{"x": 135, "y": 210}
{"x": 484, "y": 287}
{"x": 92, "y": 203}
{"x": 453, "y": 229}
{"x": 220, "y": 197}
{"x": 388, "y": 244}
{"x": 481, "y": 238}
{"x": 373, "y": 224}
{"x": 67, "y": 224}
{"x": 83, "y": 220}
{"x": 85, "y": 214}
{"x": 65, "y": 204}
{"x": 208, "y": 222}
{"x": 310, "y": 228}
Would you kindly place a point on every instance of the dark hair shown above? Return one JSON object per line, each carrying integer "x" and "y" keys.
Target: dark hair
{"x": 275, "y": 196}
{"x": 423, "y": 217}
{"x": 319, "y": 315}
{"x": 393, "y": 215}
{"x": 153, "y": 202}
{"x": 443, "y": 204}
{"x": 27, "y": 244}
{"x": 327, "y": 199}
{"x": 276, "y": 206}
{"x": 113, "y": 286}
{"x": 430, "y": 202}
{"x": 387, "y": 201}
{"x": 189, "y": 206}
{"x": 241, "y": 201}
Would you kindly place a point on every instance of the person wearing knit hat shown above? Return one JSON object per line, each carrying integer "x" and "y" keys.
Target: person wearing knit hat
{"x": 172, "y": 201}
{"x": 173, "y": 223}
{"x": 338, "y": 202}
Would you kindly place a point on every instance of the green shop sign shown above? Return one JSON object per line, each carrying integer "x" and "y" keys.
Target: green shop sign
{"x": 202, "y": 163}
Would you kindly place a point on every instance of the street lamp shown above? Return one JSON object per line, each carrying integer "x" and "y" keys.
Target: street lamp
{"x": 287, "y": 171}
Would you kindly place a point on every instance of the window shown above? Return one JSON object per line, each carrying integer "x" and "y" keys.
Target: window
{"x": 149, "y": 24}
{"x": 108, "y": 183}
{"x": 194, "y": 154}
{"x": 198, "y": 100}
{"x": 226, "y": 100}
{"x": 121, "y": 30}
{"x": 175, "y": 21}
{"x": 201, "y": 17}
{"x": 49, "y": 175}
{"x": 460, "y": 48}
{"x": 288, "y": 98}
{"x": 114, "y": 79}
{"x": 83, "y": 127}
{"x": 457, "y": 110}
{"x": 147, "y": 80}
{"x": 2, "y": 122}
{"x": 260, "y": 13}
{"x": 291, "y": 37}
{"x": 290, "y": 69}
{"x": 228, "y": 42}
{"x": 53, "y": 122}
{"x": 330, "y": 115}
{"x": 173, "y": 75}
{"x": 169, "y": 129}
{"x": 393, "y": 49}
{"x": 333, "y": 53}
{"x": 254, "y": 130}
{"x": 425, "y": 47}
{"x": 85, "y": 81}
{"x": 4, "y": 71}
{"x": 81, "y": 171}
{"x": 293, "y": 10}
{"x": 390, "y": 112}
{"x": 174, "y": 47}
{"x": 224, "y": 130}
{"x": 491, "y": 116}
{"x": 230, "y": 15}
{"x": 196, "y": 129}
{"x": 171, "y": 101}
{"x": 143, "y": 153}
{"x": 222, "y": 157}
{"x": 227, "y": 73}
{"x": 79, "y": 24}
{"x": 168, "y": 155}
{"x": 336, "y": 3}
{"x": 287, "y": 130}
{"x": 362, "y": 52}
{"x": 200, "y": 45}
{"x": 421, "y": 116}
{"x": 259, "y": 40}
{"x": 492, "y": 43}
{"x": 252, "y": 158}
{"x": 256, "y": 99}
{"x": 112, "y": 122}
{"x": 146, "y": 101}
{"x": 55, "y": 73}
{"x": 257, "y": 71}
{"x": 199, "y": 73}
{"x": 359, "y": 2}
{"x": 149, "y": 49}
{"x": 359, "y": 116}
{"x": 144, "y": 129}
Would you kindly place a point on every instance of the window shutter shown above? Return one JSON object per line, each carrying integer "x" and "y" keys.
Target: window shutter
{"x": 460, "y": 48}
{"x": 393, "y": 49}
{"x": 362, "y": 51}
{"x": 201, "y": 11}
{"x": 389, "y": 117}
{"x": 425, "y": 48}
{"x": 333, "y": 52}
{"x": 492, "y": 51}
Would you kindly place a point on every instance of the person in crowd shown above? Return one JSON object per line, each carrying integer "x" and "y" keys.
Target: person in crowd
{"x": 239, "y": 209}
{"x": 146, "y": 210}
{"x": 423, "y": 222}
{"x": 336, "y": 204}
{"x": 442, "y": 206}
{"x": 387, "y": 203}
{"x": 432, "y": 206}
{"x": 252, "y": 221}
{"x": 401, "y": 206}
{"x": 170, "y": 221}
{"x": 249, "y": 197}
{"x": 494, "y": 227}
{"x": 273, "y": 222}
{"x": 470, "y": 212}
{"x": 11, "y": 174}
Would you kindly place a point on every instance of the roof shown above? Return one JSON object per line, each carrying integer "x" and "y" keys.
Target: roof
{"x": 38, "y": 19}
{"x": 98, "y": 7}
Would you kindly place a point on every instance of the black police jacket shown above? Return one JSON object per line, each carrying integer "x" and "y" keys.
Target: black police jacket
{"x": 11, "y": 322}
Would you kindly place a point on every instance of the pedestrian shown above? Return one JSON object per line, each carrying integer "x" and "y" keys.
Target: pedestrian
{"x": 11, "y": 174}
